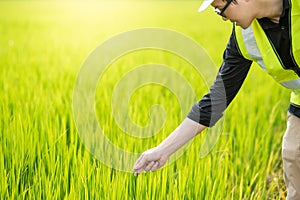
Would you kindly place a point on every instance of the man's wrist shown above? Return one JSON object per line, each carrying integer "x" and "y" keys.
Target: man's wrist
{"x": 163, "y": 150}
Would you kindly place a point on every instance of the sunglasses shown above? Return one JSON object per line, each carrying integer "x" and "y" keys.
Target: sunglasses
{"x": 221, "y": 11}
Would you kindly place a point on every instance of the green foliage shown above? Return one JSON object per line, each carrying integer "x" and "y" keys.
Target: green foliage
{"x": 42, "y": 47}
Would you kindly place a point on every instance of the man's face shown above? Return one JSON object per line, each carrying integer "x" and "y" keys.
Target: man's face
{"x": 238, "y": 11}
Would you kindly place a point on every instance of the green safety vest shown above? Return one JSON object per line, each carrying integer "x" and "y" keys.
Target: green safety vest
{"x": 254, "y": 45}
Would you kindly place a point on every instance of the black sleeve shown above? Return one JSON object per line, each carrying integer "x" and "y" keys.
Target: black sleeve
{"x": 229, "y": 80}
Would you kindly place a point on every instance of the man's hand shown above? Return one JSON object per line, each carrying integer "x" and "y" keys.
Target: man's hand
{"x": 150, "y": 160}
{"x": 156, "y": 157}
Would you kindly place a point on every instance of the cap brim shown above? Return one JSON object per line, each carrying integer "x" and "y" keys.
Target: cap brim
{"x": 205, "y": 5}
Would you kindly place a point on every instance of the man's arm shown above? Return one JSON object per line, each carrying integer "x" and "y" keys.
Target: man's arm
{"x": 230, "y": 78}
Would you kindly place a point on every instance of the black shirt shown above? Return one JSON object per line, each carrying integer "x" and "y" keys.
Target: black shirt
{"x": 235, "y": 68}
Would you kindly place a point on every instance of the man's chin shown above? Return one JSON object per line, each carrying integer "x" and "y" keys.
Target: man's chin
{"x": 243, "y": 26}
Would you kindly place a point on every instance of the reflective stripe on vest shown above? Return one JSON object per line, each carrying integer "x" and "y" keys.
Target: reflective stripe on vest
{"x": 254, "y": 45}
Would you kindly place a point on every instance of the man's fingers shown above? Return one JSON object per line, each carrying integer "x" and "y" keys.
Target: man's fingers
{"x": 138, "y": 166}
{"x": 149, "y": 166}
{"x": 140, "y": 162}
{"x": 149, "y": 160}
{"x": 155, "y": 166}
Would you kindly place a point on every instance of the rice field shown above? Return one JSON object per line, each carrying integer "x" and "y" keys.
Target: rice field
{"x": 43, "y": 46}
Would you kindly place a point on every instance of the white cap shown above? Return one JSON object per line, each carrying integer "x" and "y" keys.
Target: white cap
{"x": 205, "y": 5}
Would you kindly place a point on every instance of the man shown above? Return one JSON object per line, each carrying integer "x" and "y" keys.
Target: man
{"x": 266, "y": 32}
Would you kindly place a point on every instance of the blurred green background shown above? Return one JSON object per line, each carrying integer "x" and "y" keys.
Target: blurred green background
{"x": 42, "y": 47}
